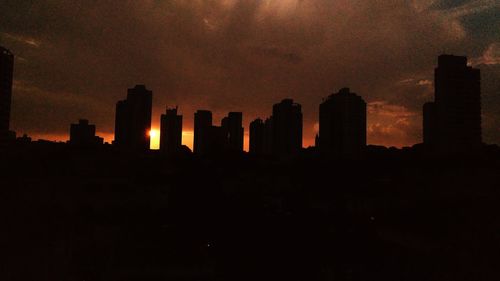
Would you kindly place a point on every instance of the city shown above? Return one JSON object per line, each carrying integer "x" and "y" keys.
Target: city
{"x": 451, "y": 124}
{"x": 339, "y": 210}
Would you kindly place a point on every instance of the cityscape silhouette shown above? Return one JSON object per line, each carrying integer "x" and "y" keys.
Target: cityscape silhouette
{"x": 343, "y": 209}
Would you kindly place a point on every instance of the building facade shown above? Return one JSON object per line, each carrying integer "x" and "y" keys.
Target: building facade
{"x": 202, "y": 131}
{"x": 83, "y": 134}
{"x": 452, "y": 122}
{"x": 171, "y": 132}
{"x": 6, "y": 78}
{"x": 286, "y": 128}
{"x": 133, "y": 119}
{"x": 234, "y": 131}
{"x": 342, "y": 124}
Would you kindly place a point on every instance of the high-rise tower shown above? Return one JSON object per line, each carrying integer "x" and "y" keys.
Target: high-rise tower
{"x": 453, "y": 121}
{"x": 342, "y": 124}
{"x": 133, "y": 119}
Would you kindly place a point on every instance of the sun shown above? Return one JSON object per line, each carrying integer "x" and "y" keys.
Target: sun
{"x": 154, "y": 135}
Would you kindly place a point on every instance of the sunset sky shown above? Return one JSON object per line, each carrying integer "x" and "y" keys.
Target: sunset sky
{"x": 75, "y": 59}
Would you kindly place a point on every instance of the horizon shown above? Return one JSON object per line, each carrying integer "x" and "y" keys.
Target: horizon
{"x": 74, "y": 62}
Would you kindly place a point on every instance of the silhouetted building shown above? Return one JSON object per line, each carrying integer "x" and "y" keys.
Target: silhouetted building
{"x": 286, "y": 127}
{"x": 453, "y": 122}
{"x": 257, "y": 137}
{"x": 25, "y": 139}
{"x": 202, "y": 127}
{"x": 217, "y": 141}
{"x": 6, "y": 76}
{"x": 268, "y": 136}
{"x": 429, "y": 123}
{"x": 232, "y": 126}
{"x": 133, "y": 119}
{"x": 83, "y": 134}
{"x": 171, "y": 132}
{"x": 342, "y": 124}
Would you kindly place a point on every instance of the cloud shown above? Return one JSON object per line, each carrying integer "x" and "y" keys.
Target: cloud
{"x": 19, "y": 38}
{"x": 472, "y": 7}
{"x": 490, "y": 57}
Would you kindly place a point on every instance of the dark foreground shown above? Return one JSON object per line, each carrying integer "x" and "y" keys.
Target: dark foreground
{"x": 101, "y": 215}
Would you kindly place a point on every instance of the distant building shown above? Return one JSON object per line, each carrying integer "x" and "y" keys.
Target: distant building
{"x": 216, "y": 141}
{"x": 342, "y": 124}
{"x": 6, "y": 78}
{"x": 257, "y": 137}
{"x": 133, "y": 119}
{"x": 25, "y": 139}
{"x": 83, "y": 134}
{"x": 210, "y": 139}
{"x": 233, "y": 130}
{"x": 452, "y": 122}
{"x": 268, "y": 136}
{"x": 171, "y": 132}
{"x": 287, "y": 128}
{"x": 202, "y": 131}
{"x": 429, "y": 123}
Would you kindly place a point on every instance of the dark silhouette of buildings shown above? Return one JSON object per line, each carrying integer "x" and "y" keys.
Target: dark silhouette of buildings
{"x": 342, "y": 124}
{"x": 83, "y": 134}
{"x": 452, "y": 123}
{"x": 257, "y": 137}
{"x": 133, "y": 119}
{"x": 429, "y": 123}
{"x": 171, "y": 132}
{"x": 209, "y": 139}
{"x": 233, "y": 130}
{"x": 280, "y": 134}
{"x": 202, "y": 128}
{"x": 6, "y": 76}
{"x": 286, "y": 127}
{"x": 268, "y": 136}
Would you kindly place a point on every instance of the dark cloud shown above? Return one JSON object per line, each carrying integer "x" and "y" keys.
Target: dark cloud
{"x": 77, "y": 58}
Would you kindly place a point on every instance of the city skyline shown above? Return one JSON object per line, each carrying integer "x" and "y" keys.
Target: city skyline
{"x": 451, "y": 123}
{"x": 73, "y": 62}
{"x": 320, "y": 140}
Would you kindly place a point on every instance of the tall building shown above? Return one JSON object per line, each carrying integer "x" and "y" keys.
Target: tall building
{"x": 232, "y": 126}
{"x": 257, "y": 137}
{"x": 287, "y": 127}
{"x": 429, "y": 123}
{"x": 171, "y": 132}
{"x": 133, "y": 119}
{"x": 342, "y": 124}
{"x": 83, "y": 134}
{"x": 202, "y": 128}
{"x": 6, "y": 76}
{"x": 268, "y": 136}
{"x": 452, "y": 122}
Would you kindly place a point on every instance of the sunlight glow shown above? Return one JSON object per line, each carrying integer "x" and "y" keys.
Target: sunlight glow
{"x": 154, "y": 135}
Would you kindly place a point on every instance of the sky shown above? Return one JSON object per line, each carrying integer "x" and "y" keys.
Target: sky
{"x": 76, "y": 59}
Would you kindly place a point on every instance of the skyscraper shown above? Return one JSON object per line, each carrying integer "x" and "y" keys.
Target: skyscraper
{"x": 133, "y": 119}
{"x": 287, "y": 127}
{"x": 232, "y": 126}
{"x": 171, "y": 132}
{"x": 202, "y": 128}
{"x": 342, "y": 124}
{"x": 429, "y": 123}
{"x": 6, "y": 76}
{"x": 257, "y": 137}
{"x": 83, "y": 134}
{"x": 452, "y": 122}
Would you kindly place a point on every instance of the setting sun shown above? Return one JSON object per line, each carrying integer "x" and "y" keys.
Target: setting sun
{"x": 155, "y": 139}
{"x": 154, "y": 133}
